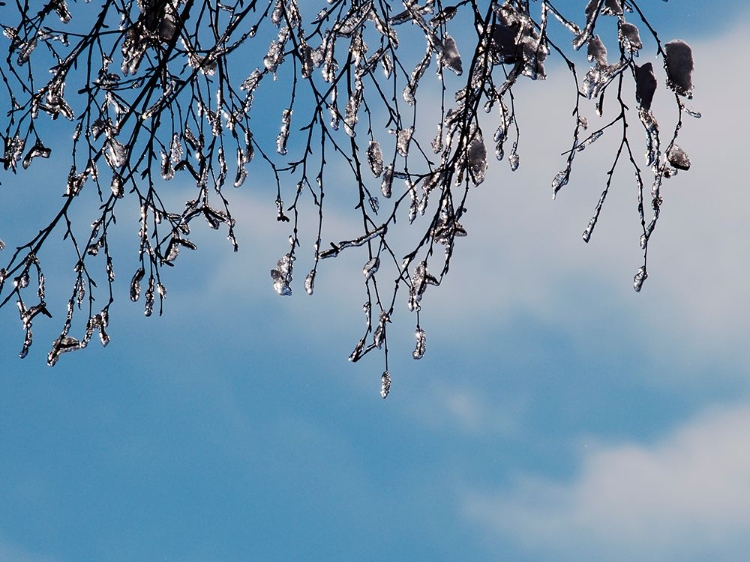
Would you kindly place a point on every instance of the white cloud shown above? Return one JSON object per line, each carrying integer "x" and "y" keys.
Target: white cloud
{"x": 684, "y": 498}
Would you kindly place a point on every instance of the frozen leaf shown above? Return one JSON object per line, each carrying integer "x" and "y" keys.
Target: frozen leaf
{"x": 450, "y": 57}
{"x": 403, "y": 138}
{"x": 416, "y": 75}
{"x": 359, "y": 349}
{"x": 351, "y": 112}
{"x": 25, "y": 51}
{"x": 437, "y": 142}
{"x": 282, "y": 275}
{"x": 559, "y": 181}
{"x": 115, "y": 154}
{"x": 597, "y": 52}
{"x": 375, "y": 158}
{"x": 175, "y": 149}
{"x": 117, "y": 186}
{"x": 38, "y": 150}
{"x": 251, "y": 82}
{"x": 504, "y": 44}
{"x": 371, "y": 267}
{"x": 612, "y": 8}
{"x": 679, "y": 62}
{"x": 135, "y": 284}
{"x": 645, "y": 85}
{"x": 13, "y": 149}
{"x": 630, "y": 38}
{"x": 61, "y": 345}
{"x": 477, "y": 156}
{"x": 678, "y": 158}
{"x": 274, "y": 57}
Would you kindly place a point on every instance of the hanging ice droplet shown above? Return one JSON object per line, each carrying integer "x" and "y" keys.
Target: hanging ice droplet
{"x": 387, "y": 183}
{"x": 639, "y": 278}
{"x": 356, "y": 355}
{"x": 371, "y": 268}
{"x": 385, "y": 385}
{"x": 310, "y": 282}
{"x": 477, "y": 156}
{"x": 135, "y": 284}
{"x": 403, "y": 138}
{"x": 514, "y": 161}
{"x": 437, "y": 142}
{"x": 421, "y": 344}
{"x": 280, "y": 284}
{"x": 167, "y": 170}
{"x": 589, "y": 230}
{"x": 560, "y": 180}
{"x": 175, "y": 149}
{"x": 286, "y": 119}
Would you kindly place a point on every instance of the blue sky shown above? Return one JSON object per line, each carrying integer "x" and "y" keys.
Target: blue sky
{"x": 556, "y": 416}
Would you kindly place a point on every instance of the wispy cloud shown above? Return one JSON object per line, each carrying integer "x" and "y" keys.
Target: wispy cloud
{"x": 686, "y": 497}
